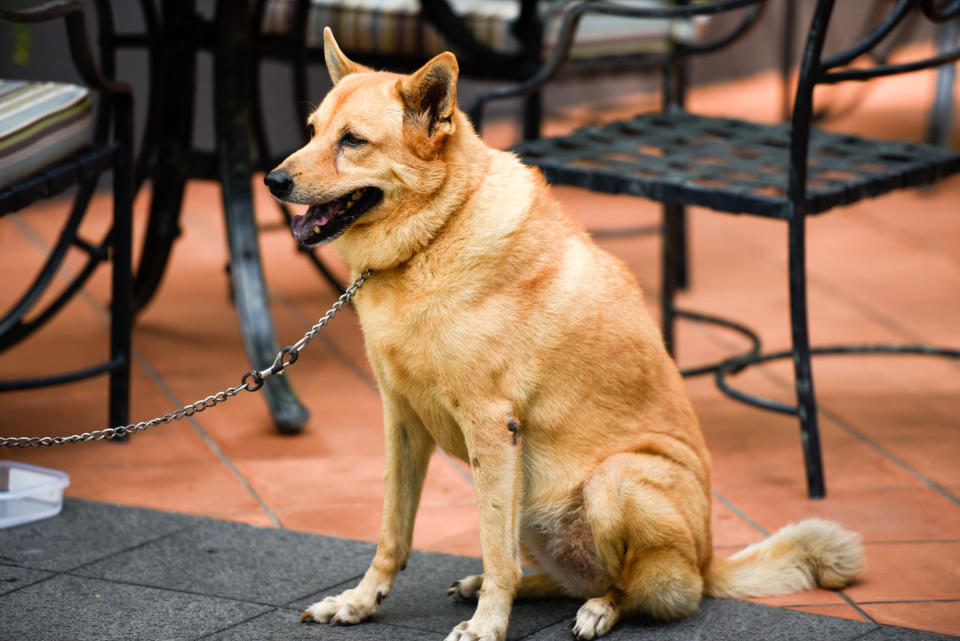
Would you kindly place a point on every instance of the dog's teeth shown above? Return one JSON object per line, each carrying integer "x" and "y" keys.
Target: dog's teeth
{"x": 356, "y": 195}
{"x": 316, "y": 229}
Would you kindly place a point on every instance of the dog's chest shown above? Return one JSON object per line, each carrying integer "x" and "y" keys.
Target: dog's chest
{"x": 410, "y": 355}
{"x": 427, "y": 363}
{"x": 436, "y": 343}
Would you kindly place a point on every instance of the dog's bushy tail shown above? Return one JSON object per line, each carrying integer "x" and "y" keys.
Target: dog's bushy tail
{"x": 800, "y": 556}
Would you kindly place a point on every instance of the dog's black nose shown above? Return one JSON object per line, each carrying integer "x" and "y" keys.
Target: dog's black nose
{"x": 279, "y": 182}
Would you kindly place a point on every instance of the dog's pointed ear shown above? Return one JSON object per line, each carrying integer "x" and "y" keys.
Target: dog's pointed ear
{"x": 338, "y": 65}
{"x": 429, "y": 100}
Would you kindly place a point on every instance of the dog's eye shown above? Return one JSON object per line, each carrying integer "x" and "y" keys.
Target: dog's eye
{"x": 351, "y": 139}
{"x": 310, "y": 130}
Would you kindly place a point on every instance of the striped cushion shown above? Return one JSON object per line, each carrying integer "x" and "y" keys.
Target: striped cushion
{"x": 395, "y": 27}
{"x": 40, "y": 123}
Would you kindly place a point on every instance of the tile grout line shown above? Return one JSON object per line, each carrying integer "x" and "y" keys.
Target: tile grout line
{"x": 53, "y": 575}
{"x": 740, "y": 513}
{"x": 237, "y": 624}
{"x": 867, "y": 633}
{"x": 867, "y": 440}
{"x": 909, "y": 601}
{"x": 167, "y": 588}
{"x": 878, "y": 224}
{"x": 151, "y": 372}
{"x": 148, "y": 542}
{"x": 856, "y": 607}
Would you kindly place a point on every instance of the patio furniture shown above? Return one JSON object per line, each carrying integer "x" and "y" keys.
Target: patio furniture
{"x": 173, "y": 36}
{"x": 785, "y": 172}
{"x": 52, "y": 138}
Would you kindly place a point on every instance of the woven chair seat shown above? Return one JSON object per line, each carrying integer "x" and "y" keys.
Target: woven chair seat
{"x": 40, "y": 124}
{"x": 396, "y": 27}
{"x": 731, "y": 165}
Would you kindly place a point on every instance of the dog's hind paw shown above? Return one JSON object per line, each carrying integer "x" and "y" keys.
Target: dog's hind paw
{"x": 594, "y": 619}
{"x": 467, "y": 589}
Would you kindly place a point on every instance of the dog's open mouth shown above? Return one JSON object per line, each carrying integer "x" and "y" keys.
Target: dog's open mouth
{"x": 325, "y": 221}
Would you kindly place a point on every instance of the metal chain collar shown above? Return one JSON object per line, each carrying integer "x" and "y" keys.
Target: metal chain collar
{"x": 251, "y": 381}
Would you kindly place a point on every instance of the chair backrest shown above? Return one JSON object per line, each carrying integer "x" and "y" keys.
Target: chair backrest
{"x": 815, "y": 69}
{"x": 674, "y": 72}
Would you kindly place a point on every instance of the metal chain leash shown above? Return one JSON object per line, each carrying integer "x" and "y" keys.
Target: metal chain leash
{"x": 251, "y": 381}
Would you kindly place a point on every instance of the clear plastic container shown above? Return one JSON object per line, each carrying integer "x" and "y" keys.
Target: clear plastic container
{"x": 29, "y": 493}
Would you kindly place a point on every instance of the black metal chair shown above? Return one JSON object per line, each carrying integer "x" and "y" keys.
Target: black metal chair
{"x": 108, "y": 151}
{"x": 785, "y": 172}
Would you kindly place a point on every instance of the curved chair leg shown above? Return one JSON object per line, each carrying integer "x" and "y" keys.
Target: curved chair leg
{"x": 171, "y": 121}
{"x": 163, "y": 228}
{"x": 806, "y": 402}
{"x": 234, "y": 159}
{"x": 13, "y": 327}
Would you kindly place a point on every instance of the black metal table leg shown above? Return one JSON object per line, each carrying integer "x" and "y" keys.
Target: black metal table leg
{"x": 232, "y": 70}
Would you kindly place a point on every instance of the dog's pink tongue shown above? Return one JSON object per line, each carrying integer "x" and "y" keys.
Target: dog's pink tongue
{"x": 302, "y": 226}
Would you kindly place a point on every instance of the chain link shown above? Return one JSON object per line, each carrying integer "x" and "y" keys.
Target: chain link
{"x": 251, "y": 381}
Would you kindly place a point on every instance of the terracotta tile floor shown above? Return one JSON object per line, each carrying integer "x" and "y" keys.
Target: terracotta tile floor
{"x": 886, "y": 269}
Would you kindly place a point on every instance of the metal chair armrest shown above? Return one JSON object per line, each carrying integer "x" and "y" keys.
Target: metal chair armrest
{"x": 81, "y": 51}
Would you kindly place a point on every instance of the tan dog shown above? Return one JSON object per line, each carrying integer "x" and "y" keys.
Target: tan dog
{"x": 501, "y": 333}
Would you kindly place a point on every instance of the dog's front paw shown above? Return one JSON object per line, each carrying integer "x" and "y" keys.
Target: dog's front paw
{"x": 594, "y": 619}
{"x": 467, "y": 589}
{"x": 345, "y": 609}
{"x": 473, "y": 630}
